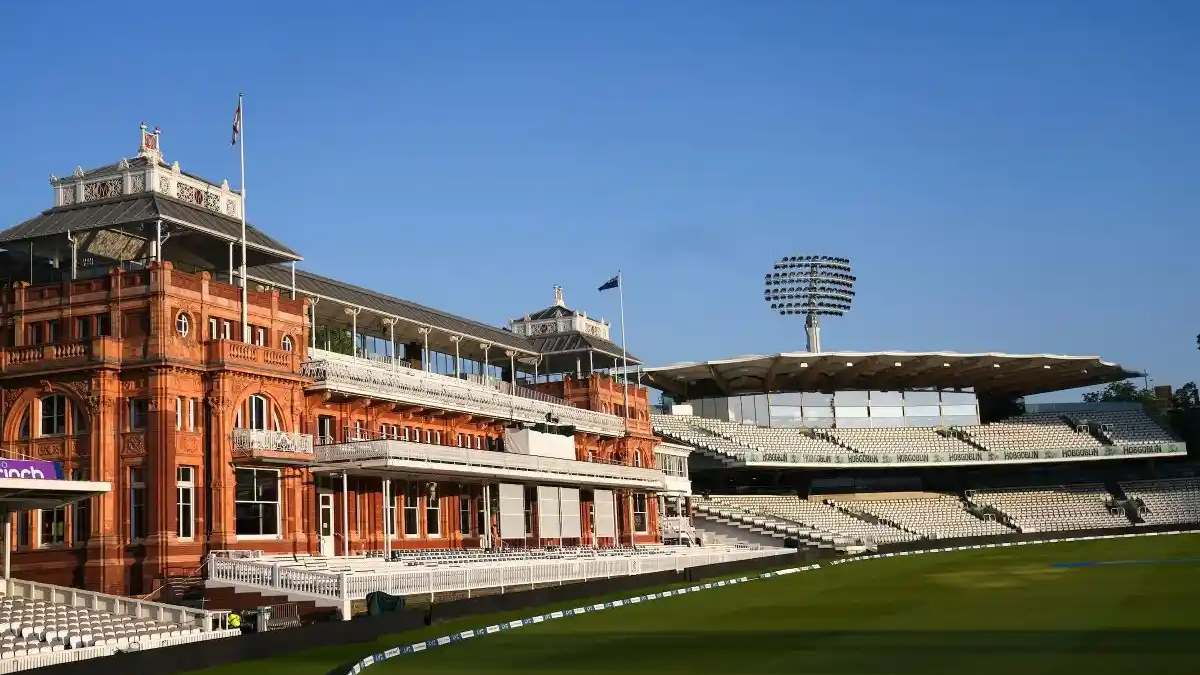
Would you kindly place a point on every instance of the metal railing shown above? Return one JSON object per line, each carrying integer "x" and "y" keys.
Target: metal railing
{"x": 260, "y": 440}
{"x": 343, "y": 585}
{"x": 115, "y": 605}
{"x": 360, "y": 376}
{"x": 859, "y": 459}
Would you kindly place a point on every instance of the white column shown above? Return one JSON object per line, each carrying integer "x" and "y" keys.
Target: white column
{"x": 424, "y": 330}
{"x": 313, "y": 333}
{"x": 457, "y": 359}
{"x": 388, "y": 519}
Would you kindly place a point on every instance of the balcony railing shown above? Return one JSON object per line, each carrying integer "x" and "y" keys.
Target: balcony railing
{"x": 467, "y": 460}
{"x": 233, "y": 353}
{"x": 407, "y": 385}
{"x": 267, "y": 444}
{"x": 59, "y": 355}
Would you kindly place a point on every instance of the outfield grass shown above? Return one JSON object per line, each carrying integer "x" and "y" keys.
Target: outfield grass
{"x": 1011, "y": 611}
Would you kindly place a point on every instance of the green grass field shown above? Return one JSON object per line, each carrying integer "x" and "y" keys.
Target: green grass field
{"x": 1012, "y": 610}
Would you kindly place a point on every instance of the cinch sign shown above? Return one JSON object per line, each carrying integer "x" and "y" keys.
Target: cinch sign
{"x": 30, "y": 468}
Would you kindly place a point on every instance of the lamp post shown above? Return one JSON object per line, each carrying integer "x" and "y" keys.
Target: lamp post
{"x": 811, "y": 286}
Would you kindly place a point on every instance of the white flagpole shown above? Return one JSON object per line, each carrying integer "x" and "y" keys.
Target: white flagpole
{"x": 242, "y": 150}
{"x": 624, "y": 362}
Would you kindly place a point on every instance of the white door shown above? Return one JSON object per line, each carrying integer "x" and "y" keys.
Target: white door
{"x": 325, "y": 523}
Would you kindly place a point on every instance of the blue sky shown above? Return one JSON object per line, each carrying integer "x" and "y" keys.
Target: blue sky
{"x": 1010, "y": 176}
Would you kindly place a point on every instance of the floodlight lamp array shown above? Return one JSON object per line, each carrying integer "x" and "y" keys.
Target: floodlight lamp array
{"x": 812, "y": 285}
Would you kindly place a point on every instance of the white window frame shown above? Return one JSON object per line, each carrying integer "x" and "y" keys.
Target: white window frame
{"x": 464, "y": 508}
{"x": 257, "y": 419}
{"x": 58, "y": 413}
{"x": 133, "y": 406}
{"x": 39, "y": 514}
{"x": 178, "y": 413}
{"x": 185, "y": 496}
{"x": 287, "y": 344}
{"x": 433, "y": 505}
{"x": 645, "y": 513}
{"x": 212, "y": 328}
{"x": 183, "y": 324}
{"x": 278, "y": 505}
{"x": 191, "y": 421}
{"x": 412, "y": 504}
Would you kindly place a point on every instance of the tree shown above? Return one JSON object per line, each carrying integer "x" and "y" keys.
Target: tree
{"x": 1186, "y": 396}
{"x": 1119, "y": 391}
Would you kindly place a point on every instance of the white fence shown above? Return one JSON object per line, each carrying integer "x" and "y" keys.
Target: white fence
{"x": 361, "y": 376}
{"x": 340, "y": 587}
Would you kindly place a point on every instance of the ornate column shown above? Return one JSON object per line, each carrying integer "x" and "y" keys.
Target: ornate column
{"x": 220, "y": 405}
{"x": 104, "y": 569}
{"x": 159, "y": 472}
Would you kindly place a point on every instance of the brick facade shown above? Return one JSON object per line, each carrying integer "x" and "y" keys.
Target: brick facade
{"x": 141, "y": 378}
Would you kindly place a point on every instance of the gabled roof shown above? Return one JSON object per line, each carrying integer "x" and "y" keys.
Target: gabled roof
{"x": 321, "y": 286}
{"x": 988, "y": 373}
{"x": 551, "y": 312}
{"x": 574, "y": 341}
{"x": 141, "y": 208}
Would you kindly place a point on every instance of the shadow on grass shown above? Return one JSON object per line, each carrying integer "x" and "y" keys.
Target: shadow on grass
{"x": 862, "y": 652}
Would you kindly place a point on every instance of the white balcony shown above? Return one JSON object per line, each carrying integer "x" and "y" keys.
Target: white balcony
{"x": 395, "y": 382}
{"x": 385, "y": 455}
{"x": 276, "y": 446}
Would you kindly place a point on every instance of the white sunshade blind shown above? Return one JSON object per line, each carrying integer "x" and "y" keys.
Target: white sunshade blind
{"x": 512, "y": 511}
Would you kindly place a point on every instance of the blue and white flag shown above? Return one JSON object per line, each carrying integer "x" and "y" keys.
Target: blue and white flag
{"x": 611, "y": 283}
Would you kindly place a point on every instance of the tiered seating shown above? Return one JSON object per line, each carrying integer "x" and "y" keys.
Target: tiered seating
{"x": 1167, "y": 501}
{"x": 1035, "y": 431}
{"x": 1129, "y": 427}
{"x": 901, "y": 440}
{"x": 934, "y": 517}
{"x": 681, "y": 428}
{"x": 778, "y": 440}
{"x": 816, "y": 515}
{"x": 1067, "y": 507}
{"x": 36, "y": 627}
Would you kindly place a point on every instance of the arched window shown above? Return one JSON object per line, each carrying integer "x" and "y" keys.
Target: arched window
{"x": 257, "y": 407}
{"x": 287, "y": 343}
{"x": 23, "y": 428}
{"x": 183, "y": 324}
{"x": 54, "y": 415}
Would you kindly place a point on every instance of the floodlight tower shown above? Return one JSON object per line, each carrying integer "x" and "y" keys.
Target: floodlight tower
{"x": 812, "y": 286}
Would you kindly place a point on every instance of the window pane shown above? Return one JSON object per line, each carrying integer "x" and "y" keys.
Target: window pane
{"x": 270, "y": 518}
{"x": 244, "y": 492}
{"x": 268, "y": 486}
{"x": 246, "y": 516}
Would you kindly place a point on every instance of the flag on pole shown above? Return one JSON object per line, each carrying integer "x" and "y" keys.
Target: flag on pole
{"x": 611, "y": 283}
{"x": 237, "y": 122}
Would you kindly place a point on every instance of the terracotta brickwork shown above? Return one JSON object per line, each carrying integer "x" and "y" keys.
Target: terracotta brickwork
{"x": 141, "y": 379}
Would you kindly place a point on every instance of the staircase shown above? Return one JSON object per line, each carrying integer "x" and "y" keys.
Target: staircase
{"x": 870, "y": 517}
{"x": 830, "y": 438}
{"x": 962, "y": 435}
{"x": 1095, "y": 430}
